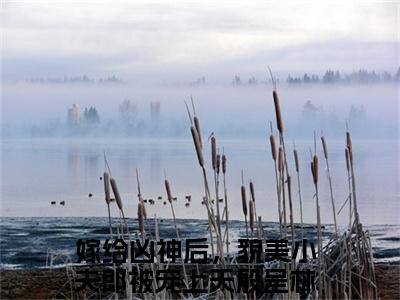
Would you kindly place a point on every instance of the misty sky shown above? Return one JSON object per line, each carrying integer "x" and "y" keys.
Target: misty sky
{"x": 181, "y": 41}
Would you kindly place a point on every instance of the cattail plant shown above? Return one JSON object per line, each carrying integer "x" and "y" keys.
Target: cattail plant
{"x": 170, "y": 200}
{"x": 140, "y": 198}
{"x": 218, "y": 163}
{"x": 325, "y": 148}
{"x": 279, "y": 121}
{"x": 273, "y": 147}
{"x": 214, "y": 161}
{"x": 116, "y": 193}
{"x": 141, "y": 218}
{"x": 282, "y": 188}
{"x": 214, "y": 152}
{"x": 244, "y": 204}
{"x": 106, "y": 179}
{"x": 226, "y": 202}
{"x": 196, "y": 122}
{"x": 314, "y": 171}
{"x": 280, "y": 127}
{"x": 197, "y": 145}
{"x": 251, "y": 216}
{"x": 277, "y": 180}
{"x": 354, "y": 198}
{"x": 283, "y": 161}
{"x": 118, "y": 199}
{"x": 196, "y": 135}
{"x": 297, "y": 166}
{"x": 349, "y": 246}
{"x": 349, "y": 184}
{"x": 289, "y": 190}
{"x": 253, "y": 198}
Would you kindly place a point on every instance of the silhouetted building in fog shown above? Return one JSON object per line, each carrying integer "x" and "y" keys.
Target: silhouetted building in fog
{"x": 74, "y": 117}
{"x": 128, "y": 112}
{"x": 91, "y": 116}
{"x": 155, "y": 112}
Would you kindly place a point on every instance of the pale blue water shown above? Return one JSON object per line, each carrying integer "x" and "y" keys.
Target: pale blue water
{"x": 38, "y": 171}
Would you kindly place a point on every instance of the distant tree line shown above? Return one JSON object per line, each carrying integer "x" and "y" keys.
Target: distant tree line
{"x": 75, "y": 79}
{"x": 360, "y": 76}
{"x": 330, "y": 77}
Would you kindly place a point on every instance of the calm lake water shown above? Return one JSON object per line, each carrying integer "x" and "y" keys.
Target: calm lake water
{"x": 38, "y": 171}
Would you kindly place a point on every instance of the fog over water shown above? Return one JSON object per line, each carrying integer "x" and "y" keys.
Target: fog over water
{"x": 229, "y": 111}
{"x": 41, "y": 169}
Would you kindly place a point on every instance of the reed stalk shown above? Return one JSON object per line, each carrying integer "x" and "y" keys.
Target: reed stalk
{"x": 325, "y": 148}
{"x": 224, "y": 162}
{"x": 170, "y": 199}
{"x": 251, "y": 216}
{"x": 297, "y": 166}
{"x": 106, "y": 180}
{"x": 289, "y": 189}
{"x": 349, "y": 262}
{"x": 244, "y": 205}
{"x": 282, "y": 185}
{"x": 253, "y": 198}
{"x": 354, "y": 198}
{"x": 277, "y": 180}
{"x": 196, "y": 135}
{"x": 215, "y": 168}
{"x": 280, "y": 127}
{"x": 314, "y": 171}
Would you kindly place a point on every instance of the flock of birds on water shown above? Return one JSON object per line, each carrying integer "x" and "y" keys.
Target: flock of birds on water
{"x": 188, "y": 199}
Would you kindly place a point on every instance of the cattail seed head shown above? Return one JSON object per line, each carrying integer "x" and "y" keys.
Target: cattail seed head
{"x": 214, "y": 153}
{"x": 280, "y": 160}
{"x": 279, "y": 121}
{"x": 253, "y": 196}
{"x": 312, "y": 170}
{"x": 273, "y": 146}
{"x": 144, "y": 207}
{"x": 218, "y": 163}
{"x": 325, "y": 147}
{"x": 348, "y": 141}
{"x": 244, "y": 201}
{"x": 315, "y": 165}
{"x": 140, "y": 212}
{"x": 197, "y": 126}
{"x": 116, "y": 193}
{"x": 106, "y": 179}
{"x": 197, "y": 145}
{"x": 224, "y": 163}
{"x": 296, "y": 160}
{"x": 347, "y": 159}
{"x": 289, "y": 184}
{"x": 168, "y": 189}
{"x": 350, "y": 156}
{"x": 251, "y": 214}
